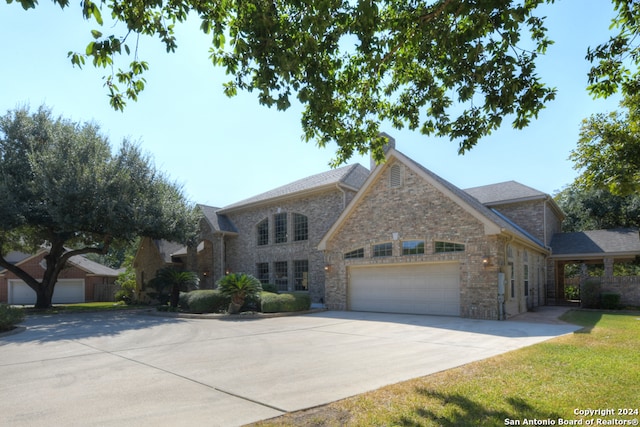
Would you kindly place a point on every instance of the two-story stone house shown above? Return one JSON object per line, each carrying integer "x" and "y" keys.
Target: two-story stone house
{"x": 273, "y": 235}
{"x": 397, "y": 238}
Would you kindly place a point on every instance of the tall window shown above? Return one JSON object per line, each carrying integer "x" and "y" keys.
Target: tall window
{"x": 301, "y": 275}
{"x": 263, "y": 232}
{"x": 262, "y": 269}
{"x": 281, "y": 271}
{"x": 413, "y": 247}
{"x": 280, "y": 228}
{"x": 513, "y": 280}
{"x": 300, "y": 227}
{"x": 383, "y": 249}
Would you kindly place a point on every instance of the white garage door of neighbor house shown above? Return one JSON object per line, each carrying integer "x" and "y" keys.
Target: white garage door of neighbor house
{"x": 407, "y": 288}
{"x": 66, "y": 291}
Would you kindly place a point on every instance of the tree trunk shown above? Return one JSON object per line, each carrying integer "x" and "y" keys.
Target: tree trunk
{"x": 175, "y": 295}
{"x": 43, "y": 296}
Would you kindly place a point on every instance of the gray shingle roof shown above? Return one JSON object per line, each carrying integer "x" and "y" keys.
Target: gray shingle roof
{"x": 351, "y": 176}
{"x": 498, "y": 219}
{"x": 597, "y": 242}
{"x": 92, "y": 267}
{"x": 79, "y": 261}
{"x": 509, "y": 191}
{"x": 219, "y": 222}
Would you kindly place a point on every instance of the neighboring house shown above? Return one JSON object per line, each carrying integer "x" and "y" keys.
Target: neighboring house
{"x": 81, "y": 280}
{"x": 397, "y": 239}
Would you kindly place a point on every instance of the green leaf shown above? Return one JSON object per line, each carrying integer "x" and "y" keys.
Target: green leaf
{"x": 96, "y": 34}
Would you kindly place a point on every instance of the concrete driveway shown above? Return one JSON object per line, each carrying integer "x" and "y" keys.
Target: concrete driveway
{"x": 127, "y": 369}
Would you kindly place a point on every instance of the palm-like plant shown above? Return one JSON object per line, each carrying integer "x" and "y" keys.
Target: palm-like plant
{"x": 177, "y": 281}
{"x": 239, "y": 286}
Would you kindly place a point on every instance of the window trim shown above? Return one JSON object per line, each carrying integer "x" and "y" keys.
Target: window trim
{"x": 300, "y": 227}
{"x": 445, "y": 247}
{"x": 378, "y": 251}
{"x": 262, "y": 232}
{"x": 280, "y": 228}
{"x": 354, "y": 254}
{"x": 415, "y": 250}
{"x": 301, "y": 274}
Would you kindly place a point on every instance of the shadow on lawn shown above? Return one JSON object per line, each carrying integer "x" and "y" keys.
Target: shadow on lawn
{"x": 462, "y": 411}
{"x": 55, "y": 327}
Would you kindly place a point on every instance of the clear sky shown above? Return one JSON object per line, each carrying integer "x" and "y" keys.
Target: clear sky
{"x": 224, "y": 150}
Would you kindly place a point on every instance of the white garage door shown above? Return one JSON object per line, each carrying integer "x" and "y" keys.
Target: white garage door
{"x": 416, "y": 289}
{"x": 66, "y": 291}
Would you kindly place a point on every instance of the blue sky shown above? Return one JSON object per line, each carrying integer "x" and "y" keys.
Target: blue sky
{"x": 223, "y": 150}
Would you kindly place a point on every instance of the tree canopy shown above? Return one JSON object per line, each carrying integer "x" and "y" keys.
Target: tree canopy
{"x": 608, "y": 151}
{"x": 451, "y": 68}
{"x": 64, "y": 189}
{"x": 594, "y": 209}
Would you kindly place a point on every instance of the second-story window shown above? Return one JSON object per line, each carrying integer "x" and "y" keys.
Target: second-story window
{"x": 280, "y": 228}
{"x": 263, "y": 232}
{"x": 300, "y": 227}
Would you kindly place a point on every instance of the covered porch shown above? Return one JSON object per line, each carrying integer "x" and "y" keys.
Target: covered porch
{"x": 611, "y": 256}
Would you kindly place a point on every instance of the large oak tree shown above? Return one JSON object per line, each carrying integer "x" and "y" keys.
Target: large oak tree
{"x": 63, "y": 189}
{"x": 453, "y": 68}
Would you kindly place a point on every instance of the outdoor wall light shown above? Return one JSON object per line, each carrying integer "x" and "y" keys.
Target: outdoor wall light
{"x": 327, "y": 267}
{"x": 486, "y": 261}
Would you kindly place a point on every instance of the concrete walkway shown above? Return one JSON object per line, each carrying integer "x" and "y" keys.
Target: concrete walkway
{"x": 123, "y": 369}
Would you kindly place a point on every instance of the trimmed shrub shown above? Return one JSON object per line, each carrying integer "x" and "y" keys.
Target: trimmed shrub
{"x": 268, "y": 287}
{"x": 590, "y": 293}
{"x": 610, "y": 300}
{"x": 285, "y": 302}
{"x": 204, "y": 301}
{"x": 9, "y": 317}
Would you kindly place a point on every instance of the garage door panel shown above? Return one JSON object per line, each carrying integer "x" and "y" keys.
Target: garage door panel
{"x": 66, "y": 291}
{"x": 418, "y": 289}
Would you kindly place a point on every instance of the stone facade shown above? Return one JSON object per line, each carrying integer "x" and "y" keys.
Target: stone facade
{"x": 243, "y": 254}
{"x": 538, "y": 217}
{"x": 417, "y": 210}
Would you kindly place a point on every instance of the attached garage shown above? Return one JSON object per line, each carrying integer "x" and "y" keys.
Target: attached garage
{"x": 66, "y": 291}
{"x": 432, "y": 288}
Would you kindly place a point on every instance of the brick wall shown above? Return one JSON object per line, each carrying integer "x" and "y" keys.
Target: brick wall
{"x": 243, "y": 254}
{"x": 416, "y": 210}
{"x": 33, "y": 267}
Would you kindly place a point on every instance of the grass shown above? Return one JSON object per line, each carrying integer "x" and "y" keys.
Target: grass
{"x": 596, "y": 367}
{"x": 83, "y": 307}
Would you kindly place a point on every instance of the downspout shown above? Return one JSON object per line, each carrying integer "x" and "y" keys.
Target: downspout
{"x": 502, "y": 315}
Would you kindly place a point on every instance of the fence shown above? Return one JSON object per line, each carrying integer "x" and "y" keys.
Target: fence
{"x": 627, "y": 286}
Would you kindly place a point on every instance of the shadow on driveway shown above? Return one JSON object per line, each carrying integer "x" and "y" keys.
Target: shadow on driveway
{"x": 57, "y": 327}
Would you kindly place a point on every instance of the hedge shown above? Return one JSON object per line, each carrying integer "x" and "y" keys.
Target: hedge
{"x": 9, "y": 317}
{"x": 285, "y": 302}
{"x": 610, "y": 300}
{"x": 203, "y": 301}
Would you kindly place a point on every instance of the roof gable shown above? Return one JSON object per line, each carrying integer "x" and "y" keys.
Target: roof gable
{"x": 493, "y": 223}
{"x": 352, "y": 177}
{"x": 218, "y": 222}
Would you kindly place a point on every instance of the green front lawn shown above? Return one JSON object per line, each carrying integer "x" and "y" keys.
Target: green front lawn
{"x": 597, "y": 367}
{"x": 83, "y": 307}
